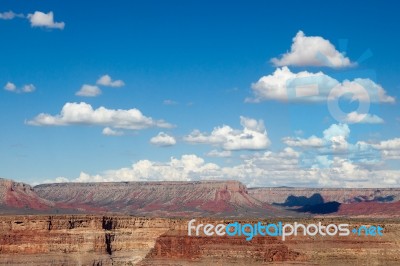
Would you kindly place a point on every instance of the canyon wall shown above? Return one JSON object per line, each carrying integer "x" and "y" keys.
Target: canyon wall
{"x": 126, "y": 240}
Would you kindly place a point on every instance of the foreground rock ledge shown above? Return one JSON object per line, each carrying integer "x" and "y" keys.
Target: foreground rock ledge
{"x": 127, "y": 240}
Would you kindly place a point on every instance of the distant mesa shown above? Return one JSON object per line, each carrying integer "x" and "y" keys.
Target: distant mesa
{"x": 195, "y": 199}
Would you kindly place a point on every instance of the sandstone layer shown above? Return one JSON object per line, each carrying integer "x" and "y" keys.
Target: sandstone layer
{"x": 127, "y": 240}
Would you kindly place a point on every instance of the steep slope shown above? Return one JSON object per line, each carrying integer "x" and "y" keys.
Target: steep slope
{"x": 21, "y": 198}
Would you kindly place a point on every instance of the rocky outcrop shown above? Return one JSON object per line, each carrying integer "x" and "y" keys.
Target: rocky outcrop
{"x": 15, "y": 196}
{"x": 180, "y": 248}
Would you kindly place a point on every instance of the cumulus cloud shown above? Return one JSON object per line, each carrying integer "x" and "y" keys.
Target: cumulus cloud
{"x": 59, "y": 179}
{"x": 390, "y": 149}
{"x": 326, "y": 161}
{"x": 312, "y": 51}
{"x": 188, "y": 167}
{"x": 265, "y": 169}
{"x": 304, "y": 86}
{"x": 392, "y": 144}
{"x": 318, "y": 152}
{"x": 40, "y": 19}
{"x": 253, "y": 136}
{"x": 334, "y": 140}
{"x": 10, "y": 87}
{"x": 10, "y": 15}
{"x": 312, "y": 141}
{"x": 364, "y": 90}
{"x": 84, "y": 114}
{"x": 355, "y": 117}
{"x": 88, "y": 91}
{"x": 163, "y": 140}
{"x": 111, "y": 132}
{"x": 27, "y": 88}
{"x": 337, "y": 135}
{"x": 107, "y": 81}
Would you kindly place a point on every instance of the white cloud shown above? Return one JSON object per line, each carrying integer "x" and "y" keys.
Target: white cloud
{"x": 304, "y": 86}
{"x": 59, "y": 179}
{"x": 336, "y": 130}
{"x": 355, "y": 117}
{"x": 40, "y": 19}
{"x": 88, "y": 91}
{"x": 312, "y": 51}
{"x": 312, "y": 141}
{"x": 111, "y": 132}
{"x": 83, "y": 114}
{"x": 266, "y": 169}
{"x": 27, "y": 88}
{"x": 187, "y": 168}
{"x": 163, "y": 140}
{"x": 390, "y": 149}
{"x": 337, "y": 135}
{"x": 217, "y": 153}
{"x": 328, "y": 166}
{"x": 281, "y": 86}
{"x": 364, "y": 90}
{"x": 10, "y": 15}
{"x": 253, "y": 136}
{"x": 334, "y": 140}
{"x": 106, "y": 80}
{"x": 10, "y": 87}
{"x": 392, "y": 144}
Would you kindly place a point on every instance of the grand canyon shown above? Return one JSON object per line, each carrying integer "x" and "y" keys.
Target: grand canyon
{"x": 145, "y": 223}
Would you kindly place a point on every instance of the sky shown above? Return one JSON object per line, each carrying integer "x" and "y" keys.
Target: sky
{"x": 270, "y": 93}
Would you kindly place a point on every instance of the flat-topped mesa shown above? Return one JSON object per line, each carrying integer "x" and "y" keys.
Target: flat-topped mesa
{"x": 123, "y": 190}
{"x": 153, "y": 198}
{"x": 231, "y": 185}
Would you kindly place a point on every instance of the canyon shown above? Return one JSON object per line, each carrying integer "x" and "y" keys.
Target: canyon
{"x": 145, "y": 223}
{"x": 128, "y": 240}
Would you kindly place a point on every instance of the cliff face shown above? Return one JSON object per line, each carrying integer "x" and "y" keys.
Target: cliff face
{"x": 77, "y": 240}
{"x": 122, "y": 240}
{"x": 125, "y": 240}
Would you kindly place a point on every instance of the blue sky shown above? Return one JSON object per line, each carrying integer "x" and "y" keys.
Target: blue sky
{"x": 203, "y": 74}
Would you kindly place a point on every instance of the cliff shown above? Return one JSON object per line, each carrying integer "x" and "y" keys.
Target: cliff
{"x": 127, "y": 240}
